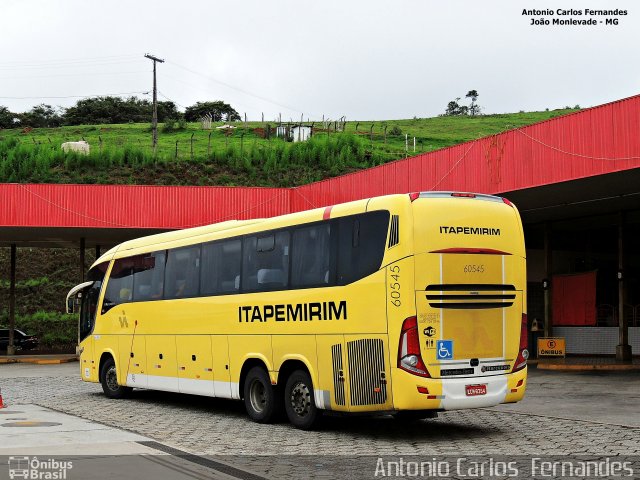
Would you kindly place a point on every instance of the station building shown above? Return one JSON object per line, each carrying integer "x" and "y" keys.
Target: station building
{"x": 574, "y": 178}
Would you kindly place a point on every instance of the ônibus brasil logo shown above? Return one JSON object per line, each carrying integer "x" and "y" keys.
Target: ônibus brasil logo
{"x": 34, "y": 469}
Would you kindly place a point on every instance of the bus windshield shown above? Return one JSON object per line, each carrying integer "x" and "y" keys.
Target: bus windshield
{"x": 89, "y": 300}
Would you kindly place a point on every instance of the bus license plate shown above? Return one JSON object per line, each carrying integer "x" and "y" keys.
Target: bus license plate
{"x": 474, "y": 390}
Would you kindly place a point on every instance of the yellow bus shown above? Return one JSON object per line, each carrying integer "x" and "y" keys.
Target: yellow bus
{"x": 402, "y": 304}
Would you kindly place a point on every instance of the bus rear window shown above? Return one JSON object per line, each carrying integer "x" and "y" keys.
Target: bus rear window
{"x": 361, "y": 244}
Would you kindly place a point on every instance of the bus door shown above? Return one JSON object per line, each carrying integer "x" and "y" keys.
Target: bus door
{"x": 87, "y": 295}
{"x": 133, "y": 351}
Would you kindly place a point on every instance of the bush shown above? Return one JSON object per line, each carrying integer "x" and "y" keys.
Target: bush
{"x": 24, "y": 162}
{"x": 169, "y": 125}
{"x": 395, "y": 131}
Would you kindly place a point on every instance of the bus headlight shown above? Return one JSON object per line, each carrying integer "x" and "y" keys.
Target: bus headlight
{"x": 525, "y": 354}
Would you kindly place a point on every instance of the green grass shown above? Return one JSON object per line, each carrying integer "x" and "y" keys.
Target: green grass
{"x": 123, "y": 153}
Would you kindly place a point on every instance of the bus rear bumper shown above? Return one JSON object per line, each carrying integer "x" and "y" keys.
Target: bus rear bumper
{"x": 416, "y": 393}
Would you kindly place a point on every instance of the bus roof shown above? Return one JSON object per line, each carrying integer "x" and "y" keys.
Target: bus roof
{"x": 174, "y": 235}
{"x": 153, "y": 242}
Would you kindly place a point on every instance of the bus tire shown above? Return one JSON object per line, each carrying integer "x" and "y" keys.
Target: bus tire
{"x": 299, "y": 401}
{"x": 109, "y": 381}
{"x": 261, "y": 399}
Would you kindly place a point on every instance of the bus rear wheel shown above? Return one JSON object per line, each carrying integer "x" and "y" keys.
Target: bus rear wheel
{"x": 109, "y": 381}
{"x": 261, "y": 399}
{"x": 299, "y": 401}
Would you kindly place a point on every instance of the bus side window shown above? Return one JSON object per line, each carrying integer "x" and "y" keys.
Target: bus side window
{"x": 120, "y": 284}
{"x": 221, "y": 265}
{"x": 148, "y": 276}
{"x": 310, "y": 262}
{"x": 265, "y": 264}
{"x": 182, "y": 272}
{"x": 361, "y": 244}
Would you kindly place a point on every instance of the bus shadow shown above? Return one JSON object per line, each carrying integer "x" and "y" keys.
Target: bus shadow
{"x": 191, "y": 402}
{"x": 388, "y": 428}
{"x": 383, "y": 427}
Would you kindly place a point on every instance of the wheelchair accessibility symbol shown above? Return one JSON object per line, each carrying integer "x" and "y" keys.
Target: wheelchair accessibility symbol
{"x": 444, "y": 349}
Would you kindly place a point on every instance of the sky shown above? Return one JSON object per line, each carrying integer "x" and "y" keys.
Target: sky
{"x": 365, "y": 60}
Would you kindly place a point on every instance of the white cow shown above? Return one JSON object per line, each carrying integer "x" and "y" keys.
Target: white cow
{"x": 81, "y": 147}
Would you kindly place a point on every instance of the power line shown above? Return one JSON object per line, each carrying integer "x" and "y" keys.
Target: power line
{"x": 204, "y": 90}
{"x": 68, "y": 60}
{"x": 574, "y": 154}
{"x": 67, "y": 65}
{"x": 73, "y": 75}
{"x": 78, "y": 96}
{"x": 473, "y": 143}
{"x": 167, "y": 98}
{"x": 274, "y": 102}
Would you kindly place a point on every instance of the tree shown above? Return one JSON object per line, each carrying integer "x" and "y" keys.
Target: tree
{"x": 98, "y": 110}
{"x": 40, "y": 116}
{"x": 167, "y": 110}
{"x": 218, "y": 110}
{"x": 474, "y": 108}
{"x": 454, "y": 108}
{"x": 7, "y": 118}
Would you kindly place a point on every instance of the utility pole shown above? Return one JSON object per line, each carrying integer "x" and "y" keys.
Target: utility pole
{"x": 154, "y": 118}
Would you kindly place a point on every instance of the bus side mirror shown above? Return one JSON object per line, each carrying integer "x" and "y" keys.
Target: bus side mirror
{"x": 71, "y": 303}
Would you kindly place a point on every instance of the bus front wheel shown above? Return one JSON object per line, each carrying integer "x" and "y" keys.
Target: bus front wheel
{"x": 260, "y": 398}
{"x": 109, "y": 381}
{"x": 299, "y": 402}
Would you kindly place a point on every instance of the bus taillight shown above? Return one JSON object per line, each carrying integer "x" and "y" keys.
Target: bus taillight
{"x": 409, "y": 358}
{"x": 523, "y": 353}
{"x": 463, "y": 195}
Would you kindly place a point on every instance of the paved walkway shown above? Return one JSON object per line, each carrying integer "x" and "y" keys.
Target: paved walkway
{"x": 32, "y": 430}
{"x": 73, "y": 447}
{"x": 39, "y": 359}
{"x": 580, "y": 413}
{"x": 586, "y": 364}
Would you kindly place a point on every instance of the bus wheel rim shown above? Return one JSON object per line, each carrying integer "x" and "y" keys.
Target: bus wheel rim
{"x": 257, "y": 396}
{"x": 300, "y": 399}
{"x": 112, "y": 379}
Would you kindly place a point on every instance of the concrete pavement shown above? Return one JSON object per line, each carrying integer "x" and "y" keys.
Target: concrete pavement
{"x": 589, "y": 414}
{"x": 33, "y": 430}
{"x": 607, "y": 397}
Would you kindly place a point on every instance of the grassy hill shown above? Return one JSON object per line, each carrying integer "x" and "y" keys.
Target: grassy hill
{"x": 244, "y": 158}
{"x": 192, "y": 156}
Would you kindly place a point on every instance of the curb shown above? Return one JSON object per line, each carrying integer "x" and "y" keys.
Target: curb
{"x": 588, "y": 368}
{"x": 38, "y": 361}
